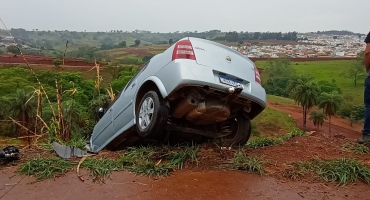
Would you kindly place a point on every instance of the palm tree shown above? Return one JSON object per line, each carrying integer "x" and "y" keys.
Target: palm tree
{"x": 4, "y": 105}
{"x": 71, "y": 117}
{"x": 304, "y": 92}
{"x": 22, "y": 104}
{"x": 317, "y": 117}
{"x": 330, "y": 103}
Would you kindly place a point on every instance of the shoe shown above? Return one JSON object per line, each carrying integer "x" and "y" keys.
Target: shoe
{"x": 364, "y": 140}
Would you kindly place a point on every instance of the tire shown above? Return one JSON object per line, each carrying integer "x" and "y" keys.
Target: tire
{"x": 241, "y": 130}
{"x": 152, "y": 116}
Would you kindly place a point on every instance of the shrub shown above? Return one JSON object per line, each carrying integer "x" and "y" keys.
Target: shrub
{"x": 57, "y": 62}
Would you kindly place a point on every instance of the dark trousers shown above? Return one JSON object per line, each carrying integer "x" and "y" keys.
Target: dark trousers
{"x": 366, "y": 130}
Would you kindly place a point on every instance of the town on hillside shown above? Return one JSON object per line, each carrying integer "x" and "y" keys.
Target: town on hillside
{"x": 309, "y": 46}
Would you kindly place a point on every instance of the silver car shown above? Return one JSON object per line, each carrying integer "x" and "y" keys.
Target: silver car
{"x": 194, "y": 87}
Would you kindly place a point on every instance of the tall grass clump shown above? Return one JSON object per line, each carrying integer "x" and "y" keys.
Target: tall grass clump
{"x": 261, "y": 142}
{"x": 342, "y": 170}
{"x": 178, "y": 157}
{"x": 102, "y": 168}
{"x": 359, "y": 149}
{"x": 241, "y": 161}
{"x": 43, "y": 168}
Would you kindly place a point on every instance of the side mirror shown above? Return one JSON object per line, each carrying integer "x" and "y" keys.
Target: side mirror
{"x": 100, "y": 113}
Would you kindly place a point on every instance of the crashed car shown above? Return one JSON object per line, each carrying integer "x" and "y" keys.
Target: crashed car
{"x": 196, "y": 87}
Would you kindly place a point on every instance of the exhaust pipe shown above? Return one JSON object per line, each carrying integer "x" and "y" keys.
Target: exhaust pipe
{"x": 185, "y": 105}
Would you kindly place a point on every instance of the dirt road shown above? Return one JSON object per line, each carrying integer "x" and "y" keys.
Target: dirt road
{"x": 182, "y": 185}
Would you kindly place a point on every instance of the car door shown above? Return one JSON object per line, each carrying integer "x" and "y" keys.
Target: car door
{"x": 103, "y": 130}
{"x": 123, "y": 111}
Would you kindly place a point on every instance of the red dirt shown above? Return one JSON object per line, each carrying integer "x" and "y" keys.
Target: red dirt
{"x": 133, "y": 51}
{"x": 183, "y": 185}
{"x": 42, "y": 60}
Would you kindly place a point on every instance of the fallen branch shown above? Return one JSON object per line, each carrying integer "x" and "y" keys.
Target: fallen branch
{"x": 78, "y": 168}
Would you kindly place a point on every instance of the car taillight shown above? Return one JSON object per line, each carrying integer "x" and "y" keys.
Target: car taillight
{"x": 257, "y": 77}
{"x": 183, "y": 50}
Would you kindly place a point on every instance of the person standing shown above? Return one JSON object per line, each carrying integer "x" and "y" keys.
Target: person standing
{"x": 365, "y": 139}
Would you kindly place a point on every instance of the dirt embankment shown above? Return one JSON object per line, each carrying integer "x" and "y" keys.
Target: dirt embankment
{"x": 207, "y": 180}
{"x": 203, "y": 181}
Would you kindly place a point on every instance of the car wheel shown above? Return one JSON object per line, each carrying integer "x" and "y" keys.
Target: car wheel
{"x": 152, "y": 116}
{"x": 240, "y": 129}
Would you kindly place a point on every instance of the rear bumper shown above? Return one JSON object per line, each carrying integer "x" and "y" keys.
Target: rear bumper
{"x": 178, "y": 74}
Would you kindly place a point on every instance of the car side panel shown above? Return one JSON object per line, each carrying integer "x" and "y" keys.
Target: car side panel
{"x": 95, "y": 147}
{"x": 102, "y": 128}
{"x": 122, "y": 115}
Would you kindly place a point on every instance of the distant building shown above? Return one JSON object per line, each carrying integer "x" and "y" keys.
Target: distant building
{"x": 8, "y": 38}
{"x": 339, "y": 53}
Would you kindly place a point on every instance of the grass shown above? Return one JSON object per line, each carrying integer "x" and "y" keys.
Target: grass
{"x": 273, "y": 119}
{"x": 8, "y": 141}
{"x": 177, "y": 158}
{"x": 102, "y": 168}
{"x": 342, "y": 170}
{"x": 280, "y": 100}
{"x": 241, "y": 161}
{"x": 43, "y": 168}
{"x": 261, "y": 142}
{"x": 326, "y": 71}
{"x": 145, "y": 161}
{"x": 140, "y": 153}
{"x": 150, "y": 168}
{"x": 359, "y": 149}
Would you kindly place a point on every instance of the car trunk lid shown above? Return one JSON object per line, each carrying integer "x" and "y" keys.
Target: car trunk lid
{"x": 224, "y": 59}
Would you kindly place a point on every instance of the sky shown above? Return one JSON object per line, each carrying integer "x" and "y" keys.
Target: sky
{"x": 187, "y": 15}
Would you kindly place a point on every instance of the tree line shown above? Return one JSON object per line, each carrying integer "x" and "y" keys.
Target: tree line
{"x": 235, "y": 36}
{"x": 326, "y": 96}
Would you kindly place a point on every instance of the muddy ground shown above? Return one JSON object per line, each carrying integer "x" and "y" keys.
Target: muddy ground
{"x": 207, "y": 180}
{"x": 41, "y": 60}
{"x": 183, "y": 185}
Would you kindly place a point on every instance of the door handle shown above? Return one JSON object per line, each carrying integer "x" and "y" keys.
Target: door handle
{"x": 133, "y": 85}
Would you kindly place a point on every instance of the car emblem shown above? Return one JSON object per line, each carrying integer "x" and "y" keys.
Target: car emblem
{"x": 228, "y": 58}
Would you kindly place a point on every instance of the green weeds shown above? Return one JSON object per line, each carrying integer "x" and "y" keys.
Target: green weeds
{"x": 247, "y": 163}
{"x": 146, "y": 161}
{"x": 359, "y": 149}
{"x": 43, "y": 168}
{"x": 177, "y": 158}
{"x": 341, "y": 170}
{"x": 102, "y": 168}
{"x": 150, "y": 168}
{"x": 260, "y": 142}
